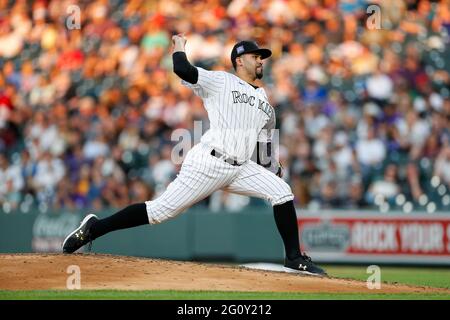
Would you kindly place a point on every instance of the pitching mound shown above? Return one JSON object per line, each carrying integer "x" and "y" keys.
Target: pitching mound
{"x": 49, "y": 271}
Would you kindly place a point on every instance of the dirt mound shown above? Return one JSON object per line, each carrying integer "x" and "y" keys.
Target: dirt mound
{"x": 50, "y": 271}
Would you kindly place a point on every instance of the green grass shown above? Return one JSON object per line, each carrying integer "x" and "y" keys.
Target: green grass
{"x": 430, "y": 277}
{"x": 205, "y": 295}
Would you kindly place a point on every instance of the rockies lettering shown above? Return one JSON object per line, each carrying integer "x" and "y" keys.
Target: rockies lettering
{"x": 239, "y": 97}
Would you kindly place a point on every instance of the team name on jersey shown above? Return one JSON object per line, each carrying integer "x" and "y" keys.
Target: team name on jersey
{"x": 264, "y": 106}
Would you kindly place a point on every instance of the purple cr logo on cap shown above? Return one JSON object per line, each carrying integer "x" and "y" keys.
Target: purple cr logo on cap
{"x": 240, "y": 49}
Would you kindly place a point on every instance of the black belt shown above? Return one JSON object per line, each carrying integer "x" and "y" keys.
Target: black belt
{"x": 227, "y": 160}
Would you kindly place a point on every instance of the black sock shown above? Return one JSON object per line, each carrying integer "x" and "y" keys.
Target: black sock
{"x": 131, "y": 216}
{"x": 286, "y": 220}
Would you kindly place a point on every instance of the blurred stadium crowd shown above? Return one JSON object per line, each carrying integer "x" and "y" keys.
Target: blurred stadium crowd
{"x": 86, "y": 115}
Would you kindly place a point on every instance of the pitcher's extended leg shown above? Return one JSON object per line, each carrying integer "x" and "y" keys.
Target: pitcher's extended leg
{"x": 132, "y": 216}
{"x": 196, "y": 180}
{"x": 193, "y": 184}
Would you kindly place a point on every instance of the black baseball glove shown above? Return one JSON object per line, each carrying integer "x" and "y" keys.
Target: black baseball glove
{"x": 280, "y": 170}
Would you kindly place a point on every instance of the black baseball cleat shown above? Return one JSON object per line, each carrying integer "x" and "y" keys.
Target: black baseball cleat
{"x": 304, "y": 265}
{"x": 80, "y": 236}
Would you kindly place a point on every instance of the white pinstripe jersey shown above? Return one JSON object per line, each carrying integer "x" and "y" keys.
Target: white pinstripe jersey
{"x": 239, "y": 114}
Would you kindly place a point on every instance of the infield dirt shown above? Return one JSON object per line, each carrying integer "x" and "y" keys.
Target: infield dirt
{"x": 99, "y": 271}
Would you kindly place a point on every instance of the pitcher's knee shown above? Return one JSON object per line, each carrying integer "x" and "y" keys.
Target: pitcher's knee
{"x": 283, "y": 195}
{"x": 158, "y": 213}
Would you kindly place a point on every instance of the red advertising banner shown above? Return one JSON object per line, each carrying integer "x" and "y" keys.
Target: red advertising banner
{"x": 421, "y": 239}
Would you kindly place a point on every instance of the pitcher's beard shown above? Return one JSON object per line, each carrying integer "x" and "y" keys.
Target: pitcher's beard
{"x": 259, "y": 75}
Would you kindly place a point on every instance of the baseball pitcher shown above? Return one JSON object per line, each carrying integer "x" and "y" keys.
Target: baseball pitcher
{"x": 241, "y": 119}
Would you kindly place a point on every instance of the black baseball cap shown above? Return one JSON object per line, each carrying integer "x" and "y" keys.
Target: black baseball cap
{"x": 243, "y": 47}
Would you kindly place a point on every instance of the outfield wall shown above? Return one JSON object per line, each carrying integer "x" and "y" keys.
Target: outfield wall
{"x": 371, "y": 237}
{"x": 251, "y": 235}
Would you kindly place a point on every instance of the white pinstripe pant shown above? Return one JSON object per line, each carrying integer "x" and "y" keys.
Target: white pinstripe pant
{"x": 201, "y": 174}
